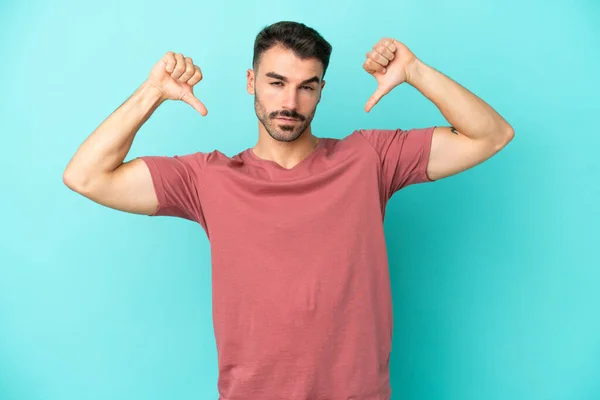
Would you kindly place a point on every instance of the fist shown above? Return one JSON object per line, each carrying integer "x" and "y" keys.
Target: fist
{"x": 175, "y": 76}
{"x": 389, "y": 62}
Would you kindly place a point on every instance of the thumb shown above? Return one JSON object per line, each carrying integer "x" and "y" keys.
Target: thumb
{"x": 374, "y": 99}
{"x": 194, "y": 102}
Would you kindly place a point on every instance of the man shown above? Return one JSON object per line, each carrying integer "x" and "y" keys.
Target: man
{"x": 301, "y": 291}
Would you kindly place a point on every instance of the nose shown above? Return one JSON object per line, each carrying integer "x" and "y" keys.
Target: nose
{"x": 290, "y": 100}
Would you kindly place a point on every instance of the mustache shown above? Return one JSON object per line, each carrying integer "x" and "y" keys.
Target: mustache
{"x": 287, "y": 114}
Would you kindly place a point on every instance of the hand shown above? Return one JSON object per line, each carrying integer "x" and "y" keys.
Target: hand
{"x": 389, "y": 62}
{"x": 175, "y": 77}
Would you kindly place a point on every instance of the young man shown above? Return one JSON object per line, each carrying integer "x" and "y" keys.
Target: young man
{"x": 301, "y": 291}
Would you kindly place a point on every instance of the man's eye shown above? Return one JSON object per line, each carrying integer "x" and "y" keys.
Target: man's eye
{"x": 279, "y": 83}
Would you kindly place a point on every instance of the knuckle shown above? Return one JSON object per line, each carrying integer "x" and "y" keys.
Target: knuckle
{"x": 169, "y": 57}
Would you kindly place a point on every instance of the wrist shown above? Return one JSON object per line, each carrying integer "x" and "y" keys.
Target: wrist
{"x": 153, "y": 93}
{"x": 413, "y": 71}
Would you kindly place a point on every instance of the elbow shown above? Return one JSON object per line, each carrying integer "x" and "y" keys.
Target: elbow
{"x": 507, "y": 136}
{"x": 508, "y": 130}
{"x": 510, "y": 134}
{"x": 84, "y": 184}
{"x": 73, "y": 180}
{"x": 69, "y": 179}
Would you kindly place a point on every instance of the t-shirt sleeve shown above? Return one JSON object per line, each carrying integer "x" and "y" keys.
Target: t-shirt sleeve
{"x": 404, "y": 155}
{"x": 177, "y": 181}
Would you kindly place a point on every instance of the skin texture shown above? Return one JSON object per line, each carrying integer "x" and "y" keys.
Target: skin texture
{"x": 476, "y": 130}
{"x": 284, "y": 85}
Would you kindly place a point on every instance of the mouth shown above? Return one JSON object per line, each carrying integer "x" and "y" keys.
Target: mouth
{"x": 288, "y": 119}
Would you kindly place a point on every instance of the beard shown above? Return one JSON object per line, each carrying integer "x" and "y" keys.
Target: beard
{"x": 282, "y": 131}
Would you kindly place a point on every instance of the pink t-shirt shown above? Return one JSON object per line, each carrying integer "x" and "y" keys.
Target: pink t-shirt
{"x": 302, "y": 307}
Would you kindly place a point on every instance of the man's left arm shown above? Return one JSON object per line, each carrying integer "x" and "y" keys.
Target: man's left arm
{"x": 477, "y": 131}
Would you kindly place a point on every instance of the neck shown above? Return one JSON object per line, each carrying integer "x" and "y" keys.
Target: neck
{"x": 286, "y": 154}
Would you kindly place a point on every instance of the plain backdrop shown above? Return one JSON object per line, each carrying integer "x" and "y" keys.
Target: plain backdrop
{"x": 495, "y": 271}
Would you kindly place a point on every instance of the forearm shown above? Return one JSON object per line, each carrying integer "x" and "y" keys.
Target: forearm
{"x": 106, "y": 148}
{"x": 466, "y": 112}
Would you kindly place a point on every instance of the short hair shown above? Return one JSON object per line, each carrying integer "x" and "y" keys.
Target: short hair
{"x": 304, "y": 41}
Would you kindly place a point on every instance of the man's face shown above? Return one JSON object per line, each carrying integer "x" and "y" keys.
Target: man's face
{"x": 285, "y": 86}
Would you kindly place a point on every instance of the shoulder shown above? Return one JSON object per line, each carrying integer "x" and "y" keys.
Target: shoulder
{"x": 205, "y": 160}
{"x": 363, "y": 140}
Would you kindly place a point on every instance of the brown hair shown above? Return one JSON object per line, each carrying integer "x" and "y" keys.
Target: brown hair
{"x": 305, "y": 42}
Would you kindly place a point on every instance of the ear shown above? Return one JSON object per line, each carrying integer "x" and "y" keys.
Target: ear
{"x": 250, "y": 83}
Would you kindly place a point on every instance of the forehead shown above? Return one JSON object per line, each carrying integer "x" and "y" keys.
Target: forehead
{"x": 284, "y": 62}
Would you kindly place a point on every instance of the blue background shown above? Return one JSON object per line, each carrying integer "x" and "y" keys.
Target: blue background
{"x": 495, "y": 271}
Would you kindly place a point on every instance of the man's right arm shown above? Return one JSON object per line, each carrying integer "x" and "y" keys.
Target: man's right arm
{"x": 97, "y": 171}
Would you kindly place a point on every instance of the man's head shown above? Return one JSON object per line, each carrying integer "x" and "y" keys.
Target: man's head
{"x": 290, "y": 61}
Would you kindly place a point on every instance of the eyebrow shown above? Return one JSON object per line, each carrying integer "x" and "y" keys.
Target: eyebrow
{"x": 283, "y": 78}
